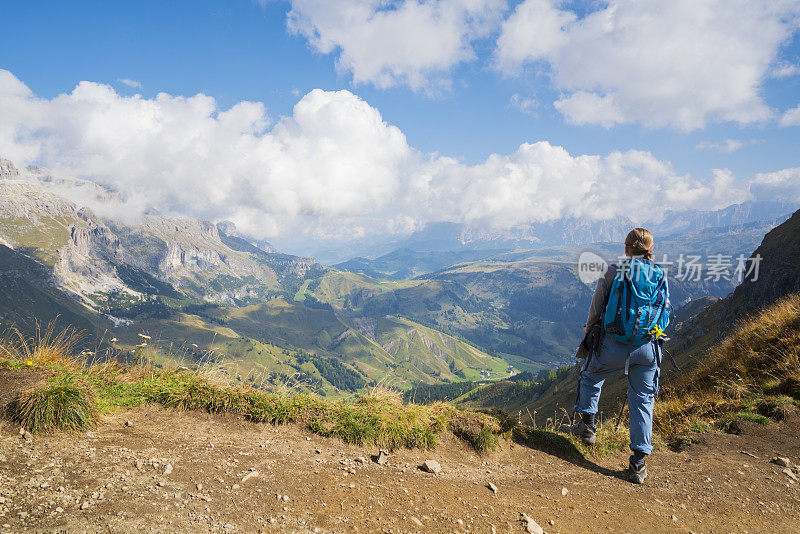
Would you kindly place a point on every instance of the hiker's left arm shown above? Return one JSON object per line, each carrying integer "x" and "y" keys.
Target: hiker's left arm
{"x": 600, "y": 297}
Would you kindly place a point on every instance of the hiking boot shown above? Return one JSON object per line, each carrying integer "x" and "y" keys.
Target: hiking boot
{"x": 636, "y": 472}
{"x": 582, "y": 430}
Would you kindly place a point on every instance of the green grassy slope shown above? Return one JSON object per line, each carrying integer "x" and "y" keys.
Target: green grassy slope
{"x": 29, "y": 297}
{"x": 281, "y": 339}
{"x": 529, "y": 308}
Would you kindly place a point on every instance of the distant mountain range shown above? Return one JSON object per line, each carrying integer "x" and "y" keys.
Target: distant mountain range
{"x": 454, "y": 237}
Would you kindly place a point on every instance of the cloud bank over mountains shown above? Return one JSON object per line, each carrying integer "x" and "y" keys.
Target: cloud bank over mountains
{"x": 679, "y": 64}
{"x": 333, "y": 169}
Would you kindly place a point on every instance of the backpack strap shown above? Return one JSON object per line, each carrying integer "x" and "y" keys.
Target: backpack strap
{"x": 617, "y": 327}
{"x": 630, "y": 342}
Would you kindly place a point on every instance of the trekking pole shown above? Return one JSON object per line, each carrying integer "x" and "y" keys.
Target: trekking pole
{"x": 621, "y": 411}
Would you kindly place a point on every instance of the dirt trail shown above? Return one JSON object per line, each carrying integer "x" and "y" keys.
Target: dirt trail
{"x": 112, "y": 480}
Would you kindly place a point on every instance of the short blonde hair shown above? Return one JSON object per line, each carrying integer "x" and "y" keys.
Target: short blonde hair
{"x": 640, "y": 243}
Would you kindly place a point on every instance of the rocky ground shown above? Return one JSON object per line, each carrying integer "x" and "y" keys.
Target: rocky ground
{"x": 156, "y": 470}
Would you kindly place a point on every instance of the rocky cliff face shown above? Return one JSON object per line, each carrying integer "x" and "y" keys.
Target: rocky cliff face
{"x": 29, "y": 201}
{"x": 735, "y": 216}
{"x": 88, "y": 253}
{"x": 8, "y": 171}
{"x": 778, "y": 269}
{"x": 87, "y": 263}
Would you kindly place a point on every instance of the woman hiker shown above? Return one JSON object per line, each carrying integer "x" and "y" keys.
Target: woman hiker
{"x": 629, "y": 311}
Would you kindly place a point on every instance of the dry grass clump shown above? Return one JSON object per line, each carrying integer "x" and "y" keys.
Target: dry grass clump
{"x": 65, "y": 404}
{"x": 763, "y": 348}
{"x": 753, "y": 374}
{"x": 385, "y": 393}
{"x": 45, "y": 348}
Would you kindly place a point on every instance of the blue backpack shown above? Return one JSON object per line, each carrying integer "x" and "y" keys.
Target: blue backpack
{"x": 638, "y": 308}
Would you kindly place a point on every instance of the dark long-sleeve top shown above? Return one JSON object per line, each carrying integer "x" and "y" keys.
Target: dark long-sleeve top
{"x": 600, "y": 297}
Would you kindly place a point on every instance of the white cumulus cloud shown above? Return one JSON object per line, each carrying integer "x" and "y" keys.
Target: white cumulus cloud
{"x": 791, "y": 117}
{"x": 779, "y": 185}
{"x": 389, "y": 43}
{"x": 785, "y": 69}
{"x": 130, "y": 83}
{"x": 332, "y": 169}
{"x": 676, "y": 64}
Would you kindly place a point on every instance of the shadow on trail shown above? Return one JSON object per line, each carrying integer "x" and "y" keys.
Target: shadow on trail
{"x": 557, "y": 445}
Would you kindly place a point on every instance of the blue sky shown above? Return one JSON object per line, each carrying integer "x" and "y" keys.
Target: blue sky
{"x": 242, "y": 50}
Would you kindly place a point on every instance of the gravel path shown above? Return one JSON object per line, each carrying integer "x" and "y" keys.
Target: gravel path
{"x": 168, "y": 471}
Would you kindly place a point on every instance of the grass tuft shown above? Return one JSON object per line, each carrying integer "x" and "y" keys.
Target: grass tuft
{"x": 478, "y": 429}
{"x": 546, "y": 440}
{"x": 752, "y": 417}
{"x": 63, "y": 405}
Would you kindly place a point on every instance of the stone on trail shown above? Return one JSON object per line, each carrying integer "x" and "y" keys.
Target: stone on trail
{"x": 531, "y": 526}
{"x": 361, "y": 460}
{"x": 416, "y": 521}
{"x": 27, "y": 436}
{"x": 85, "y": 505}
{"x": 492, "y": 487}
{"x": 564, "y": 491}
{"x": 128, "y": 423}
{"x": 781, "y": 461}
{"x": 168, "y": 469}
{"x": 382, "y": 458}
{"x": 248, "y": 476}
{"x": 789, "y": 473}
{"x": 432, "y": 466}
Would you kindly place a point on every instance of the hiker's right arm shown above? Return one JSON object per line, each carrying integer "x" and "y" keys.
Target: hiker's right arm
{"x": 600, "y": 296}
